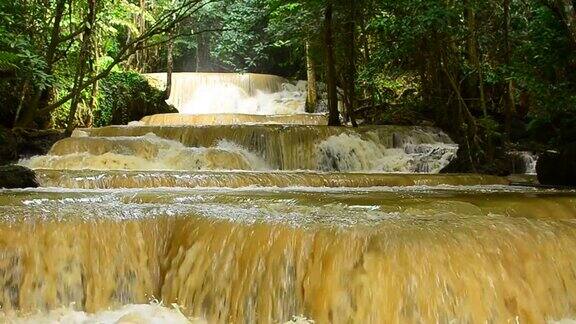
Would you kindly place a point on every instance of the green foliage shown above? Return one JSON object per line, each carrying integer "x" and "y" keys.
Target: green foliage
{"x": 538, "y": 66}
{"x": 413, "y": 58}
{"x": 243, "y": 45}
{"x": 419, "y": 38}
{"x": 8, "y": 61}
{"x": 244, "y": 37}
{"x": 49, "y": 49}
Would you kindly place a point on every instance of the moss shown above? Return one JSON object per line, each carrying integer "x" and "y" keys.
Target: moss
{"x": 126, "y": 97}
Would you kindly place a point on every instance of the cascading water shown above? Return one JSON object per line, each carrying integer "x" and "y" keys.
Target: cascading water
{"x": 297, "y": 147}
{"x": 200, "y": 93}
{"x": 148, "y": 152}
{"x": 248, "y": 256}
{"x": 524, "y": 162}
{"x": 93, "y": 179}
{"x": 232, "y": 119}
{"x": 347, "y": 152}
{"x": 265, "y": 223}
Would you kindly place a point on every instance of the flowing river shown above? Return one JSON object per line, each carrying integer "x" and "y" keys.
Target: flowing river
{"x": 253, "y": 215}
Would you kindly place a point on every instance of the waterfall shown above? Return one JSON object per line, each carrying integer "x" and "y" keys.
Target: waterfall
{"x": 248, "y": 256}
{"x": 524, "y": 162}
{"x": 148, "y": 152}
{"x": 200, "y": 93}
{"x": 237, "y": 212}
{"x": 232, "y": 119}
{"x": 347, "y": 152}
{"x": 109, "y": 179}
{"x": 287, "y": 147}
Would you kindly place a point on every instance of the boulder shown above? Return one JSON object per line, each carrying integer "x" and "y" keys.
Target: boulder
{"x": 558, "y": 168}
{"x": 501, "y": 165}
{"x": 36, "y": 142}
{"x": 8, "y": 146}
{"x": 21, "y": 143}
{"x": 16, "y": 176}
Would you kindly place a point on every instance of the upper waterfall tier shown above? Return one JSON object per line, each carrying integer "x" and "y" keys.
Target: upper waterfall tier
{"x": 253, "y": 147}
{"x": 208, "y": 93}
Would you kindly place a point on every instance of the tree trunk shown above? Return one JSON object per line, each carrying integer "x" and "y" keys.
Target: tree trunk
{"x": 94, "y": 94}
{"x": 43, "y": 96}
{"x": 567, "y": 9}
{"x": 364, "y": 40}
{"x": 474, "y": 57}
{"x": 464, "y": 123}
{"x": 203, "y": 53}
{"x": 312, "y": 96}
{"x": 169, "y": 68}
{"x": 25, "y": 89}
{"x": 92, "y": 104}
{"x": 334, "y": 115}
{"x": 81, "y": 66}
{"x": 368, "y": 92}
{"x": 351, "y": 64}
{"x": 508, "y": 87}
{"x": 142, "y": 55}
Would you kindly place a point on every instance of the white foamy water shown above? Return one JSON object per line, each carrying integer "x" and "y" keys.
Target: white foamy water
{"x": 153, "y": 313}
{"x": 527, "y": 161}
{"x": 148, "y": 152}
{"x": 350, "y": 152}
{"x": 130, "y": 314}
{"x": 136, "y": 314}
{"x": 231, "y": 99}
{"x": 226, "y": 93}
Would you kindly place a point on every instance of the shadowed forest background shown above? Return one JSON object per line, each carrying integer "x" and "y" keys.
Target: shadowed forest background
{"x": 496, "y": 75}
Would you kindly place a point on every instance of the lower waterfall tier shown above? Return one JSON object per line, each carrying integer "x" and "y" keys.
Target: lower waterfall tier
{"x": 262, "y": 256}
{"x": 92, "y": 179}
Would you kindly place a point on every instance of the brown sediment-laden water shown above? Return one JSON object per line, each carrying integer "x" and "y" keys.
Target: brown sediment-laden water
{"x": 184, "y": 218}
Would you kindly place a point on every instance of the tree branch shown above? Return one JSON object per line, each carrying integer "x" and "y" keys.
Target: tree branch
{"x": 138, "y": 44}
{"x": 70, "y": 36}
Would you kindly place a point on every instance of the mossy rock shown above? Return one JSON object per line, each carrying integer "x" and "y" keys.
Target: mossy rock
{"x": 36, "y": 142}
{"x": 127, "y": 97}
{"x": 16, "y": 176}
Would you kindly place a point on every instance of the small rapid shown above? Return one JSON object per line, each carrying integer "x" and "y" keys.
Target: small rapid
{"x": 349, "y": 152}
{"x": 110, "y": 179}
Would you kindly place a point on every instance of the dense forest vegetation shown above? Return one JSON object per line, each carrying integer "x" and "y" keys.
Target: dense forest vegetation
{"x": 494, "y": 74}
